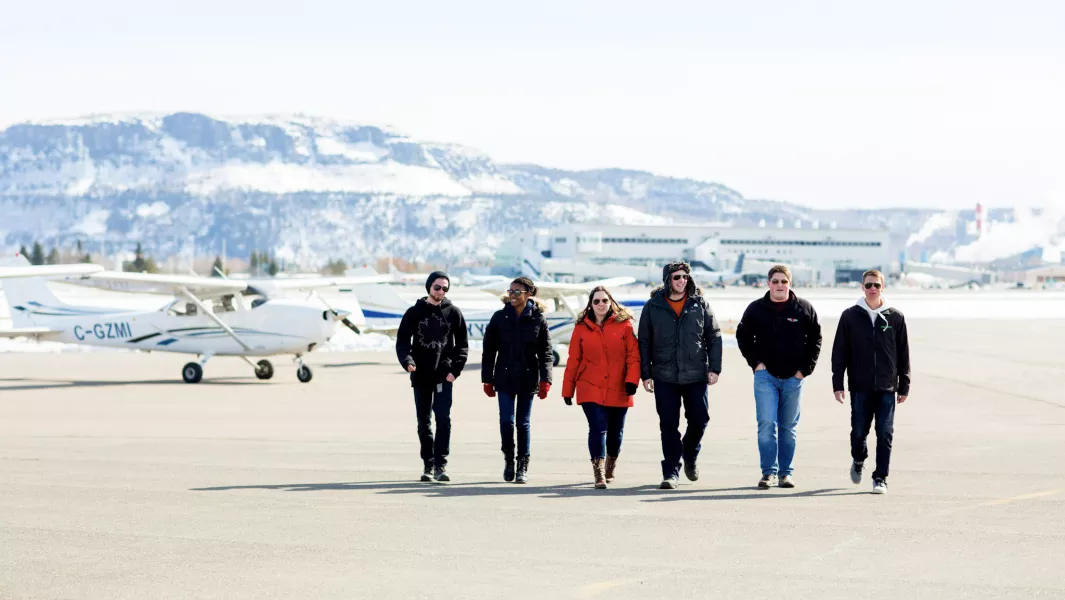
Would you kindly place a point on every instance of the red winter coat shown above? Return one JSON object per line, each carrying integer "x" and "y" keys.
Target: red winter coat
{"x": 601, "y": 360}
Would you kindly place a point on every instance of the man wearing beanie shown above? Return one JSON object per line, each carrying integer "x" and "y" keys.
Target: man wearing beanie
{"x": 680, "y": 354}
{"x": 431, "y": 345}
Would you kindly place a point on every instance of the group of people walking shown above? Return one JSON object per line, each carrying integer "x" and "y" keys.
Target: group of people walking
{"x": 676, "y": 352}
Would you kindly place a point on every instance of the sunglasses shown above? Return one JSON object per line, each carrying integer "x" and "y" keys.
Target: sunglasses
{"x": 778, "y": 281}
{"x": 870, "y": 284}
{"x": 517, "y": 292}
{"x": 440, "y": 288}
{"x": 679, "y": 276}
{"x": 601, "y": 301}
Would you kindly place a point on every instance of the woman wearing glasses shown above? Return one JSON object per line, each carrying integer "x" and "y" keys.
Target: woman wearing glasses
{"x": 603, "y": 370}
{"x": 515, "y": 364}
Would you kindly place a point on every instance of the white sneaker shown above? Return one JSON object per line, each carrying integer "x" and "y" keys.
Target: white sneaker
{"x": 879, "y": 486}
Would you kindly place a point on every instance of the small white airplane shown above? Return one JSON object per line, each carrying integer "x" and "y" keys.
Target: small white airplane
{"x": 208, "y": 317}
{"x": 48, "y": 270}
{"x": 383, "y": 308}
{"x": 728, "y": 278}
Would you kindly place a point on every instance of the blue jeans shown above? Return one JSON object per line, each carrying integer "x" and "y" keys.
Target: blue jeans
{"x": 428, "y": 401}
{"x": 776, "y": 405}
{"x": 606, "y": 426}
{"x": 506, "y": 421}
{"x": 865, "y": 406}
{"x": 669, "y": 397}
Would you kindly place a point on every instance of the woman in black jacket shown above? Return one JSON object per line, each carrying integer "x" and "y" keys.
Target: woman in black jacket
{"x": 515, "y": 364}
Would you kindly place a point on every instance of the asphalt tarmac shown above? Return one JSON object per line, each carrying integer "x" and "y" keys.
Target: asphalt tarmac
{"x": 117, "y": 480}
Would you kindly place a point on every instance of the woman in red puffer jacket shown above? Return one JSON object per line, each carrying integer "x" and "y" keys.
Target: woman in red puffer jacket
{"x": 603, "y": 369}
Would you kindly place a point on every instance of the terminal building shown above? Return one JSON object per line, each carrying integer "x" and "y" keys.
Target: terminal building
{"x": 585, "y": 251}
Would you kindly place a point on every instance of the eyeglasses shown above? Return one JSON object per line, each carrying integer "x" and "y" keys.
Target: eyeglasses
{"x": 869, "y": 284}
{"x": 778, "y": 281}
{"x": 679, "y": 276}
{"x": 601, "y": 301}
{"x": 440, "y": 288}
{"x": 517, "y": 292}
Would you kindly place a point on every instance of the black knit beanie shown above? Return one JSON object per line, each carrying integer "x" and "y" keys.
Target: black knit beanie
{"x": 433, "y": 277}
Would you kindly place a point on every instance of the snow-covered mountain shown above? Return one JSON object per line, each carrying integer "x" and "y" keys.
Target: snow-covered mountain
{"x": 303, "y": 185}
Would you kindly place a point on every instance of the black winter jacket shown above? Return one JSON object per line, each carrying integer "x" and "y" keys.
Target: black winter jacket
{"x": 876, "y": 357}
{"x": 439, "y": 342}
{"x": 784, "y": 341}
{"x": 680, "y": 350}
{"x": 517, "y": 353}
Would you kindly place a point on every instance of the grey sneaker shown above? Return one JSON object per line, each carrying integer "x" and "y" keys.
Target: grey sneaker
{"x": 856, "y": 472}
{"x": 767, "y": 481}
{"x": 441, "y": 475}
{"x": 879, "y": 486}
{"x": 669, "y": 483}
{"x": 787, "y": 482}
{"x": 427, "y": 471}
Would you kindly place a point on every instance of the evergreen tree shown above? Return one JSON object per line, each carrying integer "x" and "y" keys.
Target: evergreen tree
{"x": 253, "y": 263}
{"x": 79, "y": 247}
{"x": 37, "y": 256}
{"x": 86, "y": 259}
{"x": 53, "y": 257}
{"x": 272, "y": 267}
{"x": 216, "y": 268}
{"x": 24, "y": 252}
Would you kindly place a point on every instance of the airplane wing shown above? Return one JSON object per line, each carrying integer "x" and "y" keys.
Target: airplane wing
{"x": 33, "y": 332}
{"x": 152, "y": 283}
{"x": 312, "y": 283}
{"x": 49, "y": 270}
{"x": 552, "y": 289}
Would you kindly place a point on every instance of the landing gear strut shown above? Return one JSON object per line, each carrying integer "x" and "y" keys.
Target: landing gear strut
{"x": 303, "y": 372}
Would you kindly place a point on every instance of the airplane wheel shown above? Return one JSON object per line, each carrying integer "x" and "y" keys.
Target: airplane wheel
{"x": 556, "y": 356}
{"x": 264, "y": 369}
{"x": 192, "y": 373}
{"x": 304, "y": 374}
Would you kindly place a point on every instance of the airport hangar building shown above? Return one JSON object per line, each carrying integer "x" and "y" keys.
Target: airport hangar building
{"x": 579, "y": 252}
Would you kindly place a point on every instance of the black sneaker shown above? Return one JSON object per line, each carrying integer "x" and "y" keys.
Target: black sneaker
{"x": 508, "y": 468}
{"x": 691, "y": 471}
{"x": 521, "y": 474}
{"x": 856, "y": 472}
{"x": 427, "y": 471}
{"x": 879, "y": 486}
{"x": 441, "y": 475}
{"x": 669, "y": 483}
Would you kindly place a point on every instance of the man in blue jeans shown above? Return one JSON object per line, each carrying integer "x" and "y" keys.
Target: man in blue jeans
{"x": 780, "y": 338}
{"x": 680, "y": 355}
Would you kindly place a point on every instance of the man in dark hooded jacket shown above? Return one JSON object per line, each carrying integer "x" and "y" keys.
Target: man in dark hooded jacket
{"x": 680, "y": 354}
{"x": 432, "y": 346}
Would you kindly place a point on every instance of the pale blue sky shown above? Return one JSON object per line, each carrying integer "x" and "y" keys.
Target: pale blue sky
{"x": 827, "y": 104}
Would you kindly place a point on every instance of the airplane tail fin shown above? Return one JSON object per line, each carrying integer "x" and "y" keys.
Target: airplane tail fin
{"x": 379, "y": 303}
{"x": 32, "y": 304}
{"x": 739, "y": 264}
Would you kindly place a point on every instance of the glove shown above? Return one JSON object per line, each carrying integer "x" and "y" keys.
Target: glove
{"x": 544, "y": 388}
{"x": 489, "y": 390}
{"x": 569, "y": 401}
{"x": 630, "y": 389}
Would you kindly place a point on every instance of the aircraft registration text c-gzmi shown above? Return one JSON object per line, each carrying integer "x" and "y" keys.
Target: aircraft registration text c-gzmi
{"x": 104, "y": 331}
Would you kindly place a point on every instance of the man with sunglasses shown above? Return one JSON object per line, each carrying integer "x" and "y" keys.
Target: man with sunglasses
{"x": 431, "y": 345}
{"x": 680, "y": 354}
{"x": 780, "y": 338}
{"x": 872, "y": 347}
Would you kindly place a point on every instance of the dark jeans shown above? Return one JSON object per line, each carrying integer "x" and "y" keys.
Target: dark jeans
{"x": 668, "y": 400}
{"x": 506, "y": 421}
{"x": 865, "y": 406}
{"x": 427, "y": 400}
{"x": 606, "y": 426}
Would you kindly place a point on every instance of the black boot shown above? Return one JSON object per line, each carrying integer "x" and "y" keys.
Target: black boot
{"x": 508, "y": 467}
{"x": 427, "y": 470}
{"x": 523, "y": 470}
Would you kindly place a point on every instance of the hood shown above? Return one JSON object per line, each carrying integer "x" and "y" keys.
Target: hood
{"x": 875, "y": 312}
{"x": 424, "y": 300}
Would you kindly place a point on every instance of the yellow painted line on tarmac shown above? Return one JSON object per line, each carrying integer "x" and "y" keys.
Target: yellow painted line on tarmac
{"x": 1031, "y": 496}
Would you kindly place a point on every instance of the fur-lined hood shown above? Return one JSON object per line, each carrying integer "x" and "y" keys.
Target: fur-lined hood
{"x": 537, "y": 303}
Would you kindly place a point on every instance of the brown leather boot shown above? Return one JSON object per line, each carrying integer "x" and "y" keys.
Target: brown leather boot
{"x": 611, "y": 463}
{"x": 597, "y": 469}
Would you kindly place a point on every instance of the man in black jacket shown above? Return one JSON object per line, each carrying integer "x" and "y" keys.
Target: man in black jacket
{"x": 873, "y": 348}
{"x": 680, "y": 353}
{"x": 780, "y": 338}
{"x": 431, "y": 345}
